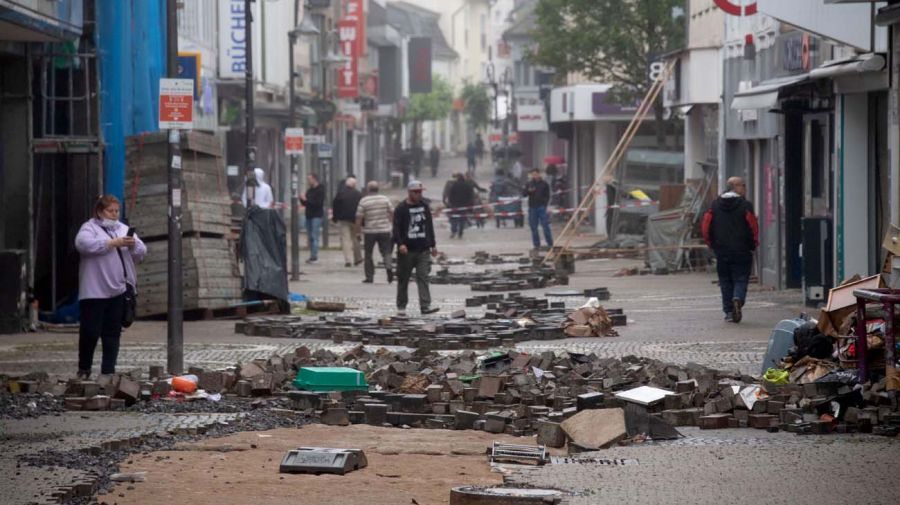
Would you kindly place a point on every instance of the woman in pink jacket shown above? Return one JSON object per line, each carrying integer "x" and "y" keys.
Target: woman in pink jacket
{"x": 108, "y": 254}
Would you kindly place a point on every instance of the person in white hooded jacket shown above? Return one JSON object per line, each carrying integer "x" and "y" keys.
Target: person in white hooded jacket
{"x": 263, "y": 197}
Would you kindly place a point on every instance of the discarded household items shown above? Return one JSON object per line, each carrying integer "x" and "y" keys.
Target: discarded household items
{"x": 780, "y": 342}
{"x": 319, "y": 460}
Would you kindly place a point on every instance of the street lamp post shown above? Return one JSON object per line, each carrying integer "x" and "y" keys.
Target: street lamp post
{"x": 249, "y": 148}
{"x": 332, "y": 59}
{"x": 306, "y": 28}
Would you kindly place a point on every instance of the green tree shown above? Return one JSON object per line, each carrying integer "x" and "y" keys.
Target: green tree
{"x": 612, "y": 41}
{"x": 432, "y": 106}
{"x": 477, "y": 105}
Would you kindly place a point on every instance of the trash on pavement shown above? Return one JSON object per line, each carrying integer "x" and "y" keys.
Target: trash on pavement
{"x": 185, "y": 383}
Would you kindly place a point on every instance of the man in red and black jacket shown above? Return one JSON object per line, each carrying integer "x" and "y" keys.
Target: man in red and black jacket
{"x": 731, "y": 230}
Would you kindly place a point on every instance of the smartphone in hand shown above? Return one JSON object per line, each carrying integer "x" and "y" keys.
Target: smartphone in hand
{"x": 131, "y": 231}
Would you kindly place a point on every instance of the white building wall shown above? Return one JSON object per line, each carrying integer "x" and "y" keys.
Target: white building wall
{"x": 848, "y": 23}
{"x": 604, "y": 143}
{"x": 853, "y": 182}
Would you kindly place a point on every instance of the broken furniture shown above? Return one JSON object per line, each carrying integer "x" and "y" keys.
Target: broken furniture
{"x": 888, "y": 299}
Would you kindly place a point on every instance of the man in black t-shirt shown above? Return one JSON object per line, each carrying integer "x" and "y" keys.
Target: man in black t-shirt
{"x": 414, "y": 235}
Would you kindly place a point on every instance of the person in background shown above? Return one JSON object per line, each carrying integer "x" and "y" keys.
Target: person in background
{"x": 538, "y": 192}
{"x": 461, "y": 197}
{"x": 344, "y": 204}
{"x": 414, "y": 235}
{"x": 477, "y": 199}
{"x": 552, "y": 174}
{"x": 517, "y": 171}
{"x": 314, "y": 201}
{"x": 108, "y": 256}
{"x": 479, "y": 147}
{"x": 374, "y": 216}
{"x": 262, "y": 192}
{"x": 434, "y": 159}
{"x": 471, "y": 155}
{"x": 730, "y": 229}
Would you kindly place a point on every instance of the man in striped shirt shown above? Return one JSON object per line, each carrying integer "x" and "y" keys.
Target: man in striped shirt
{"x": 375, "y": 215}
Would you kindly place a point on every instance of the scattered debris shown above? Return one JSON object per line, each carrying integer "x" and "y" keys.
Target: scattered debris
{"x": 595, "y": 429}
{"x": 319, "y": 460}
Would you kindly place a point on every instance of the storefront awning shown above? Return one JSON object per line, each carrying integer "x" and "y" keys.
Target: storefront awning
{"x": 851, "y": 66}
{"x": 764, "y": 95}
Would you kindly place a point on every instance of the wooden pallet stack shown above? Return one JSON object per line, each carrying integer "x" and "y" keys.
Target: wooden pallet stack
{"x": 211, "y": 277}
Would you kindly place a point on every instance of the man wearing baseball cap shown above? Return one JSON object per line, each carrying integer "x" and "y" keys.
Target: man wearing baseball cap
{"x": 414, "y": 235}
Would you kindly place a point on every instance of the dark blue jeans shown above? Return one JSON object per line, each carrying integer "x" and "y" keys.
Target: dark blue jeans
{"x": 538, "y": 215}
{"x": 734, "y": 275}
{"x": 313, "y": 229}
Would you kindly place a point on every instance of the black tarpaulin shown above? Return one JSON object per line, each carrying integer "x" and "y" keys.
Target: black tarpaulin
{"x": 264, "y": 253}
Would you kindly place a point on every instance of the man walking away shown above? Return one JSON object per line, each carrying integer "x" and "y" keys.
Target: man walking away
{"x": 731, "y": 230}
{"x": 471, "y": 154}
{"x": 538, "y": 192}
{"x": 344, "y": 204}
{"x": 414, "y": 236}
{"x": 461, "y": 197}
{"x": 375, "y": 215}
{"x": 434, "y": 159}
{"x": 479, "y": 147}
{"x": 314, "y": 201}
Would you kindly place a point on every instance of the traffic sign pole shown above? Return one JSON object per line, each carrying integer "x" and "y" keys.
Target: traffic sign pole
{"x": 175, "y": 319}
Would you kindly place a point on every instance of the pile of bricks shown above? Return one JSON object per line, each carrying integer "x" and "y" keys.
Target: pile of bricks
{"x": 508, "y": 320}
{"x": 517, "y": 393}
{"x": 533, "y": 276}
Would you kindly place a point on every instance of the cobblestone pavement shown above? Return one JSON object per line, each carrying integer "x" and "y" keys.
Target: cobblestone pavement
{"x": 729, "y": 466}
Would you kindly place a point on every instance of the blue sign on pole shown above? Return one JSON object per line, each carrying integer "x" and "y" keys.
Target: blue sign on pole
{"x": 324, "y": 150}
{"x": 189, "y": 68}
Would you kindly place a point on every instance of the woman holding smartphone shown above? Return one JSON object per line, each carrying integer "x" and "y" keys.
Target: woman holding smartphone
{"x": 109, "y": 250}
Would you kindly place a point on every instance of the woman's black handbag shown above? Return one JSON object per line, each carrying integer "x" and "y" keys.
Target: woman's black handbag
{"x": 130, "y": 296}
{"x": 128, "y": 313}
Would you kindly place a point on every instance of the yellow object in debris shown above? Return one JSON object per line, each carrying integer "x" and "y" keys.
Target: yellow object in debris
{"x": 776, "y": 376}
{"x": 640, "y": 195}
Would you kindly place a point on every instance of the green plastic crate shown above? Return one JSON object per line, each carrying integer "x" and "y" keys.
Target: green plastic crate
{"x": 329, "y": 378}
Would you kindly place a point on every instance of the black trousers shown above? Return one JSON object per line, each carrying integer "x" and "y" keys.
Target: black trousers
{"x": 101, "y": 319}
{"x": 384, "y": 246}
